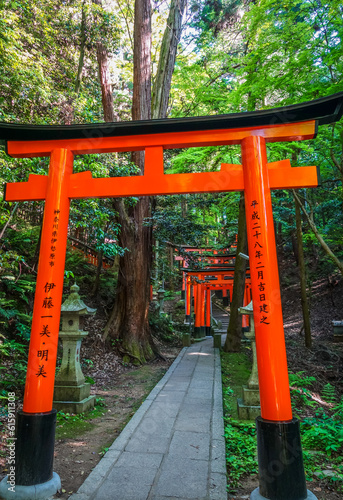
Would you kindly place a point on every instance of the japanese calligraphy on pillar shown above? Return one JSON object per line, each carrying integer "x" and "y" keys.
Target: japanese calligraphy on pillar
{"x": 47, "y": 306}
{"x": 258, "y": 264}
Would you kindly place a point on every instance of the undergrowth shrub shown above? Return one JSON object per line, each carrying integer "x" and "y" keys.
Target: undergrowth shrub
{"x": 163, "y": 329}
{"x": 241, "y": 450}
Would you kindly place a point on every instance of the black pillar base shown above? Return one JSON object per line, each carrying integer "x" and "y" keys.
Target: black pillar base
{"x": 255, "y": 495}
{"x": 197, "y": 334}
{"x": 187, "y": 318}
{"x": 34, "y": 451}
{"x": 183, "y": 294}
{"x": 225, "y": 301}
{"x": 208, "y": 331}
{"x": 280, "y": 462}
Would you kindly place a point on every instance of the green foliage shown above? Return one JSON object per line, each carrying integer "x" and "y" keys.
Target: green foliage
{"x": 39, "y": 59}
{"x": 322, "y": 433}
{"x": 241, "y": 451}
{"x": 300, "y": 380}
{"x": 14, "y": 301}
{"x": 70, "y": 425}
{"x": 316, "y": 462}
{"x": 163, "y": 329}
{"x": 13, "y": 358}
{"x": 338, "y": 411}
{"x": 300, "y": 393}
{"x": 329, "y": 393}
{"x": 240, "y": 436}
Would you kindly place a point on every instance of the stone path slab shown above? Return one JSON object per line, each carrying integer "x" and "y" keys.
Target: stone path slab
{"x": 173, "y": 447}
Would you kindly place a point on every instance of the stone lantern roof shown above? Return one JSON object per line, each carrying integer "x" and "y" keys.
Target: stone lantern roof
{"x": 248, "y": 309}
{"x": 74, "y": 304}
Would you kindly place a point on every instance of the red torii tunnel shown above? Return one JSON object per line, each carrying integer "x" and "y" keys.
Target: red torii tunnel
{"x": 255, "y": 176}
{"x": 203, "y": 256}
{"x": 201, "y": 282}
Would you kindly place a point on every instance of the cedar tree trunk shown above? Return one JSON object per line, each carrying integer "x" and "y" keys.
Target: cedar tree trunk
{"x": 129, "y": 319}
{"x": 302, "y": 275}
{"x": 234, "y": 331}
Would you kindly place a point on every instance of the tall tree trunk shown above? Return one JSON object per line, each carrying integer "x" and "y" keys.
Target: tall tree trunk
{"x": 106, "y": 87}
{"x": 166, "y": 63}
{"x": 129, "y": 318}
{"x": 234, "y": 331}
{"x": 302, "y": 275}
{"x": 82, "y": 50}
{"x": 295, "y": 245}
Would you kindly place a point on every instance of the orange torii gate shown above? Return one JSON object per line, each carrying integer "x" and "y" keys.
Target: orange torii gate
{"x": 206, "y": 258}
{"x": 215, "y": 277}
{"x": 278, "y": 432}
{"x": 201, "y": 254}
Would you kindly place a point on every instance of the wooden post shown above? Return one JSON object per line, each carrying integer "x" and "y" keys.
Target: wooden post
{"x": 281, "y": 470}
{"x": 41, "y": 365}
{"x": 208, "y": 311}
{"x": 198, "y": 311}
{"x": 36, "y": 423}
{"x": 270, "y": 340}
{"x": 188, "y": 299}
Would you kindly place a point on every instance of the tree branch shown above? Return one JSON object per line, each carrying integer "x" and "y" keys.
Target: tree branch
{"x": 324, "y": 245}
{"x": 9, "y": 220}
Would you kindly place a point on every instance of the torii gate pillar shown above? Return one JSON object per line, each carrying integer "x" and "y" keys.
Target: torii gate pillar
{"x": 281, "y": 470}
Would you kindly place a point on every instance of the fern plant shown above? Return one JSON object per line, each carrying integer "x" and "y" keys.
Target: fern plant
{"x": 338, "y": 411}
{"x": 300, "y": 380}
{"x": 301, "y": 396}
{"x": 329, "y": 393}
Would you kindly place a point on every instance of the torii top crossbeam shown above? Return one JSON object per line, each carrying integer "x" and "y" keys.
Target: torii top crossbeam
{"x": 324, "y": 110}
{"x": 255, "y": 176}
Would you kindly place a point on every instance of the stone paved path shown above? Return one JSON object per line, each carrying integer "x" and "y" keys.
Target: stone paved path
{"x": 173, "y": 447}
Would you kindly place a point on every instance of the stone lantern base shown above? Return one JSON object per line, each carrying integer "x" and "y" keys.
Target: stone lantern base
{"x": 75, "y": 406}
{"x": 73, "y": 399}
{"x": 249, "y": 406}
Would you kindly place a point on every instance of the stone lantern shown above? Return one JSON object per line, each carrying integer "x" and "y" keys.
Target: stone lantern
{"x": 72, "y": 393}
{"x": 249, "y": 406}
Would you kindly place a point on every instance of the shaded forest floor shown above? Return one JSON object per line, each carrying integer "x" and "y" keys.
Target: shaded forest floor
{"x": 120, "y": 388}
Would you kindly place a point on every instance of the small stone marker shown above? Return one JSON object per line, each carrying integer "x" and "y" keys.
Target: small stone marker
{"x": 186, "y": 340}
{"x": 72, "y": 393}
{"x": 249, "y": 406}
{"x": 217, "y": 340}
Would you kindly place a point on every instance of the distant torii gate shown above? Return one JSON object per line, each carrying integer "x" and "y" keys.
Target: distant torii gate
{"x": 213, "y": 277}
{"x": 256, "y": 177}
